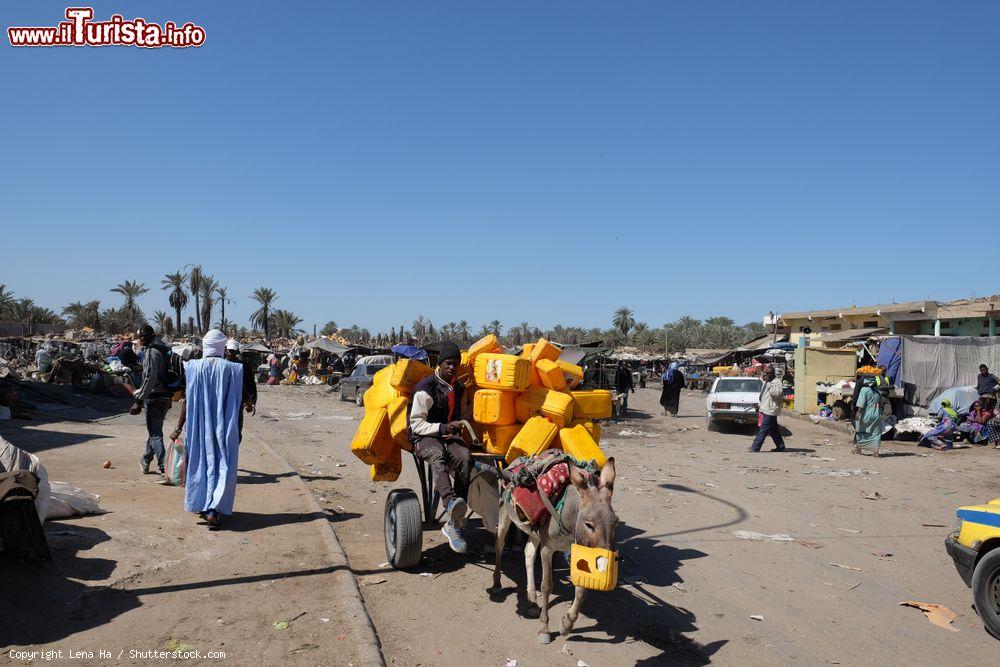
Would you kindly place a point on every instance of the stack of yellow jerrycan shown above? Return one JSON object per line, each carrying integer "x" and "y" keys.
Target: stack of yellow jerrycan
{"x": 521, "y": 405}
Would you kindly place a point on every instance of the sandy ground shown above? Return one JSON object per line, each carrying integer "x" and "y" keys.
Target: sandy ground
{"x": 689, "y": 584}
{"x": 147, "y": 577}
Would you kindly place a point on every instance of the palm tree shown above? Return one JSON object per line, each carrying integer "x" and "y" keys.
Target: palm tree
{"x": 6, "y": 299}
{"x": 285, "y": 322}
{"x": 21, "y": 311}
{"x": 223, "y": 294}
{"x": 495, "y": 328}
{"x": 419, "y": 328}
{"x": 84, "y": 314}
{"x": 160, "y": 321}
{"x": 208, "y": 287}
{"x": 642, "y": 335}
{"x": 261, "y": 317}
{"x": 131, "y": 289}
{"x": 330, "y": 328}
{"x": 721, "y": 332}
{"x": 178, "y": 298}
{"x": 463, "y": 331}
{"x": 752, "y": 331}
{"x": 623, "y": 322}
{"x": 194, "y": 286}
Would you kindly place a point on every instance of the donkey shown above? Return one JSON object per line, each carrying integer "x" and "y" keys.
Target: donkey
{"x": 587, "y": 509}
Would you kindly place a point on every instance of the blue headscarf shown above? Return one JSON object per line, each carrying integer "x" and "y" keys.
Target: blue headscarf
{"x": 671, "y": 371}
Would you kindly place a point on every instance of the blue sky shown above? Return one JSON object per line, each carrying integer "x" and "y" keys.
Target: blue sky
{"x": 546, "y": 162}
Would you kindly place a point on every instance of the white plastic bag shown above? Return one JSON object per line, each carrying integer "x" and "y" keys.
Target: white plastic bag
{"x": 14, "y": 458}
{"x": 67, "y": 500}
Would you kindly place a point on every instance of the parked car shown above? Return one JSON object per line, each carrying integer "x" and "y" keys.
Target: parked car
{"x": 975, "y": 549}
{"x": 734, "y": 400}
{"x": 360, "y": 379}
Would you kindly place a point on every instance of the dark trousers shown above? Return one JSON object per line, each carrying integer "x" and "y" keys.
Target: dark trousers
{"x": 768, "y": 427}
{"x": 441, "y": 455}
{"x": 156, "y": 412}
{"x": 624, "y": 402}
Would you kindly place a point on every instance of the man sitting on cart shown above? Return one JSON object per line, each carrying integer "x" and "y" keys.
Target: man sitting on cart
{"x": 437, "y": 406}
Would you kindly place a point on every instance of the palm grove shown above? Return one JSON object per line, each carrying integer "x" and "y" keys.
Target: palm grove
{"x": 196, "y": 302}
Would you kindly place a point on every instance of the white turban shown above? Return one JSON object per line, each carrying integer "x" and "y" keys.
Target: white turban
{"x": 214, "y": 343}
{"x": 233, "y": 344}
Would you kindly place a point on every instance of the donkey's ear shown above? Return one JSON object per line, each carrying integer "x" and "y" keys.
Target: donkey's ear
{"x": 579, "y": 478}
{"x": 608, "y": 475}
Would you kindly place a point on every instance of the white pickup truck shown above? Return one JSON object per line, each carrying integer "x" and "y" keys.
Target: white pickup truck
{"x": 734, "y": 400}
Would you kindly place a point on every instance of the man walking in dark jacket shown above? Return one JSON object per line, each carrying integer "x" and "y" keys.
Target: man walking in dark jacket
{"x": 437, "y": 406}
{"x": 623, "y": 385}
{"x": 152, "y": 395}
{"x": 249, "y": 404}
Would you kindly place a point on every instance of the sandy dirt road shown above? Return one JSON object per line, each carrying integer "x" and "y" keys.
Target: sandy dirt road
{"x": 145, "y": 577}
{"x": 690, "y": 584}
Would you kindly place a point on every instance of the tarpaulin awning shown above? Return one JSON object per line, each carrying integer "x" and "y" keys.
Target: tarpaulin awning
{"x": 850, "y": 334}
{"x": 326, "y": 345}
{"x": 933, "y": 364}
{"x": 763, "y": 343}
{"x": 410, "y": 352}
{"x": 256, "y": 347}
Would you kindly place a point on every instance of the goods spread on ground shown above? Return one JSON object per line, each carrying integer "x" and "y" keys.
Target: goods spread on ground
{"x": 521, "y": 405}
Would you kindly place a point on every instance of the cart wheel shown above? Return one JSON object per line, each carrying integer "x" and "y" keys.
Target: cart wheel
{"x": 343, "y": 396}
{"x": 359, "y": 397}
{"x": 403, "y": 529}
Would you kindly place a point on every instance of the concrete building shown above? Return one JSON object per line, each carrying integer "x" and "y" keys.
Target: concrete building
{"x": 965, "y": 317}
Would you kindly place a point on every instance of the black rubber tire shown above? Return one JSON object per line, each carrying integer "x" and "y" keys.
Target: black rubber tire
{"x": 359, "y": 397}
{"x": 343, "y": 396}
{"x": 403, "y": 528}
{"x": 986, "y": 591}
{"x": 710, "y": 425}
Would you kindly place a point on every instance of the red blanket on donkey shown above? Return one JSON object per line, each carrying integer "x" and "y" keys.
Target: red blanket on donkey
{"x": 552, "y": 483}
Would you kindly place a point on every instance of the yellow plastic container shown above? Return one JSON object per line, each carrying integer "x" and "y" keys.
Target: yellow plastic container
{"x": 578, "y": 443}
{"x": 407, "y": 373}
{"x": 487, "y": 343}
{"x": 594, "y": 404}
{"x": 529, "y": 403}
{"x": 593, "y": 428}
{"x": 550, "y": 374}
{"x": 572, "y": 373}
{"x": 494, "y": 407}
{"x": 399, "y": 423}
{"x": 373, "y": 442}
{"x": 390, "y": 470}
{"x": 497, "y": 439}
{"x": 558, "y": 407}
{"x": 502, "y": 371}
{"x": 466, "y": 373}
{"x": 526, "y": 350}
{"x": 596, "y": 569}
{"x": 381, "y": 393}
{"x": 543, "y": 349}
{"x": 535, "y": 436}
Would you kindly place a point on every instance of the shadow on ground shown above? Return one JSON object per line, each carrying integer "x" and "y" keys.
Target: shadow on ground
{"x": 634, "y": 611}
{"x": 45, "y": 604}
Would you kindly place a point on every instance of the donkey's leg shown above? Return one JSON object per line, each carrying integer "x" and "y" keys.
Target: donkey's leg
{"x": 574, "y": 611}
{"x": 502, "y": 529}
{"x": 530, "y": 549}
{"x": 543, "y": 633}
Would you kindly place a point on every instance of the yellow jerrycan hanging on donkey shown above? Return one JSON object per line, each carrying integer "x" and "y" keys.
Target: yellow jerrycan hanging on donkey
{"x": 592, "y": 568}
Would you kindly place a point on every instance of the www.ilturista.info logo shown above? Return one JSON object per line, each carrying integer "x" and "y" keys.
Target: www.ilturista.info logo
{"x": 81, "y": 30}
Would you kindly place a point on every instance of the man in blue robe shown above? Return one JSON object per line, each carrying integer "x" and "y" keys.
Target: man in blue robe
{"x": 213, "y": 395}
